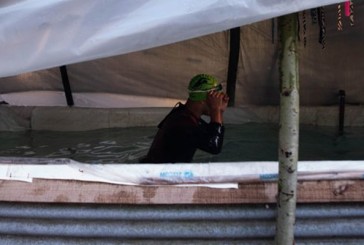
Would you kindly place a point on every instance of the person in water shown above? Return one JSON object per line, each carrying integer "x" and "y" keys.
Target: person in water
{"x": 183, "y": 131}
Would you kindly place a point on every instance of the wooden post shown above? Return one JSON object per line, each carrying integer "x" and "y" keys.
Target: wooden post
{"x": 289, "y": 130}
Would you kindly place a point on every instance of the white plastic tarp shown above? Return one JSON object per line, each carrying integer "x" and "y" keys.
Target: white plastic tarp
{"x": 38, "y": 34}
{"x": 207, "y": 174}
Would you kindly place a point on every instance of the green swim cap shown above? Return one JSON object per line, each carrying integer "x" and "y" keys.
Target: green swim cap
{"x": 200, "y": 85}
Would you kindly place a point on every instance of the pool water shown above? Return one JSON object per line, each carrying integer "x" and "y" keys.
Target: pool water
{"x": 246, "y": 142}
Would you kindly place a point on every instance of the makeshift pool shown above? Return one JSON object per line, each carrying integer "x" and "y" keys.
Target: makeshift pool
{"x": 245, "y": 142}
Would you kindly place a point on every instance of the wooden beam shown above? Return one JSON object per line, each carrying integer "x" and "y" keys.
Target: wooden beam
{"x": 59, "y": 191}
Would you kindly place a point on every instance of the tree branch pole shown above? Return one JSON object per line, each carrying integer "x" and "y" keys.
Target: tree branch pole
{"x": 288, "y": 131}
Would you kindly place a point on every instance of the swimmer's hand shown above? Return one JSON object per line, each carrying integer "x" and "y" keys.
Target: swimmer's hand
{"x": 217, "y": 103}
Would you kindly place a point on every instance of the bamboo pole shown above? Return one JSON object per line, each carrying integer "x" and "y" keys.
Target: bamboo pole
{"x": 288, "y": 131}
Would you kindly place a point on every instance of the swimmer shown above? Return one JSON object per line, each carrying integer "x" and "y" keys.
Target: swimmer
{"x": 183, "y": 131}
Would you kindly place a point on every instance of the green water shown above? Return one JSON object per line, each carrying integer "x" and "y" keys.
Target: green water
{"x": 247, "y": 142}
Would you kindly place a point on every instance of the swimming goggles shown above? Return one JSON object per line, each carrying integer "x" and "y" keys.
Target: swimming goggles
{"x": 217, "y": 88}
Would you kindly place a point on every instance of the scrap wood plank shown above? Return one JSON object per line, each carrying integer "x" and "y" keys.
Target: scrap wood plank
{"x": 61, "y": 191}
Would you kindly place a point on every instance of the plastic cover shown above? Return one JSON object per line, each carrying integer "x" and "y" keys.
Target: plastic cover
{"x": 208, "y": 174}
{"x": 38, "y": 34}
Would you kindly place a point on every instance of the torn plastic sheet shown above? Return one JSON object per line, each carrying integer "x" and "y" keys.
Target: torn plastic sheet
{"x": 37, "y": 35}
{"x": 218, "y": 175}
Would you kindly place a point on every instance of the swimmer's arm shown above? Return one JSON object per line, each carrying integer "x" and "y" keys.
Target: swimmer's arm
{"x": 212, "y": 138}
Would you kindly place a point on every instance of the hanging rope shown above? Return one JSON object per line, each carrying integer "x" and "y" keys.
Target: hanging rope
{"x": 304, "y": 28}
{"x": 351, "y": 17}
{"x": 314, "y": 16}
{"x": 273, "y": 29}
{"x": 339, "y": 18}
{"x": 322, "y": 24}
{"x": 298, "y": 28}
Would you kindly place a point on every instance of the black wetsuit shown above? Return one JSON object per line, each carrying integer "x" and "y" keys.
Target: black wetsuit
{"x": 180, "y": 134}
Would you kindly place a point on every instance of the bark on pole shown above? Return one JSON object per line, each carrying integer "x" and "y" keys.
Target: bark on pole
{"x": 288, "y": 131}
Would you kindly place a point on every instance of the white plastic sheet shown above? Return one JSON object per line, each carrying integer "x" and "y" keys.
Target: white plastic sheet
{"x": 207, "y": 174}
{"x": 37, "y": 34}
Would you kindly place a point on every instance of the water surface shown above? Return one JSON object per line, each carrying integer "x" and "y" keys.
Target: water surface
{"x": 247, "y": 142}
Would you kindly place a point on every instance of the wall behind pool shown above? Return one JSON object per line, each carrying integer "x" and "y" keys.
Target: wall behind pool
{"x": 18, "y": 118}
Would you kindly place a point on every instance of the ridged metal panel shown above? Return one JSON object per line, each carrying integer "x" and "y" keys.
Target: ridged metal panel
{"x": 22, "y": 223}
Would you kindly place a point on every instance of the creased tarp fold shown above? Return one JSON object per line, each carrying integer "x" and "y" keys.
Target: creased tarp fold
{"x": 38, "y": 35}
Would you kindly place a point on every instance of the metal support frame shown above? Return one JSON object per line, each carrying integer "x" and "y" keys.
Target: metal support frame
{"x": 233, "y": 64}
{"x": 66, "y": 85}
{"x": 341, "y": 111}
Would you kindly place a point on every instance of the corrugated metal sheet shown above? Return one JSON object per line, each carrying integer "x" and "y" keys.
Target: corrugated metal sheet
{"x": 22, "y": 223}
